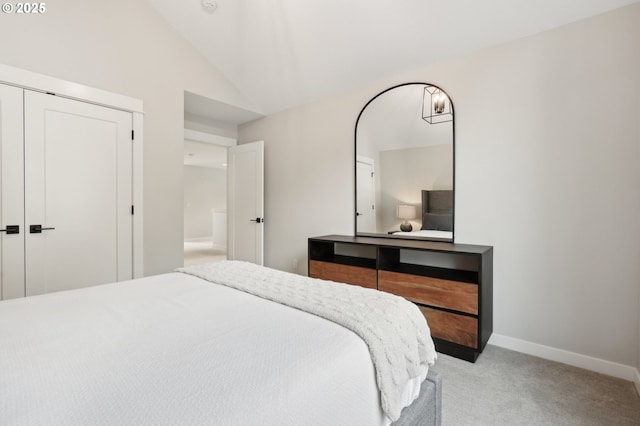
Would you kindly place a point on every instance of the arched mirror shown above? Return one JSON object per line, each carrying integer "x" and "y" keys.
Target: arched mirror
{"x": 404, "y": 168}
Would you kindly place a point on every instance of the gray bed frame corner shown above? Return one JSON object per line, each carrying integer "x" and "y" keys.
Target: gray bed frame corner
{"x": 426, "y": 410}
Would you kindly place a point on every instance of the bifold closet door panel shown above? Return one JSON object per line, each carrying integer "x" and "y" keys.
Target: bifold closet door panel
{"x": 77, "y": 194}
{"x": 11, "y": 193}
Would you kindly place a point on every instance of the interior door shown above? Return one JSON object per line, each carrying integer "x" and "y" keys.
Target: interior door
{"x": 11, "y": 193}
{"x": 365, "y": 193}
{"x": 245, "y": 206}
{"x": 78, "y": 194}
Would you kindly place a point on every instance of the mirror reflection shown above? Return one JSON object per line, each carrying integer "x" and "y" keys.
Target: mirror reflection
{"x": 405, "y": 164}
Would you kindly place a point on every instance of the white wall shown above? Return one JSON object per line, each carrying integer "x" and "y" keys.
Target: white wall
{"x": 125, "y": 47}
{"x": 204, "y": 189}
{"x": 210, "y": 125}
{"x": 547, "y": 154}
{"x": 404, "y": 173}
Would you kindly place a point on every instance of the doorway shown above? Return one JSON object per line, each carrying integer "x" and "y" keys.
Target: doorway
{"x": 211, "y": 127}
{"x": 205, "y": 203}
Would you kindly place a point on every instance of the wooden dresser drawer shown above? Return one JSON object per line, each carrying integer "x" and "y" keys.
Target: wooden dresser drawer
{"x": 452, "y": 284}
{"x": 452, "y": 327}
{"x": 363, "y": 277}
{"x": 454, "y": 295}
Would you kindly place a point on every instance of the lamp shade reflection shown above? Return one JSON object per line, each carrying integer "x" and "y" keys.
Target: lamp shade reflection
{"x": 406, "y": 212}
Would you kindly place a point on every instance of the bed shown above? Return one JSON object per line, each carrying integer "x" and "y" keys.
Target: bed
{"x": 208, "y": 345}
{"x": 437, "y": 216}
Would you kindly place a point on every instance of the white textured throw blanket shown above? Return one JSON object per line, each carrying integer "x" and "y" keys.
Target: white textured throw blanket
{"x": 394, "y": 329}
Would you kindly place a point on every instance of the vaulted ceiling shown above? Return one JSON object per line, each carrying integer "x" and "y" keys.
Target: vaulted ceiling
{"x": 284, "y": 53}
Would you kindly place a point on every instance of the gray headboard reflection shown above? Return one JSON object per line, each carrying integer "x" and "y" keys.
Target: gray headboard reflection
{"x": 437, "y": 210}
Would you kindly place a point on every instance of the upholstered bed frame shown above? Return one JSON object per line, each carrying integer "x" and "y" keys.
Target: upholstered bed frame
{"x": 427, "y": 408}
{"x": 437, "y": 210}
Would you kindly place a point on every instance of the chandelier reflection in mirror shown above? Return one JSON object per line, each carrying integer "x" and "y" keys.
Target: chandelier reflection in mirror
{"x": 436, "y": 107}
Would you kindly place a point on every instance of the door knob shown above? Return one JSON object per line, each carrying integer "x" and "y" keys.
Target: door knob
{"x": 11, "y": 229}
{"x": 257, "y": 220}
{"x": 37, "y": 229}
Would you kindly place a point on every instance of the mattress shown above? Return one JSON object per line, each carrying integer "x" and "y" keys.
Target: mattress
{"x": 427, "y": 233}
{"x": 176, "y": 349}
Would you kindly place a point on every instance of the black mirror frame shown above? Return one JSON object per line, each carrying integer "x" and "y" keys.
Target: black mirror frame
{"x": 355, "y": 177}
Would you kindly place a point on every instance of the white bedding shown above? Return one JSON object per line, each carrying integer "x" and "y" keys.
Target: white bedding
{"x": 427, "y": 233}
{"x": 393, "y": 328}
{"x": 175, "y": 349}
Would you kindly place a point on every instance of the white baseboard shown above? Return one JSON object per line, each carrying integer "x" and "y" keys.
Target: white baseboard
{"x": 609, "y": 368}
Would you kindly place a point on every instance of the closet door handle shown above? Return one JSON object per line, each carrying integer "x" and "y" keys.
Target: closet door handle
{"x": 257, "y": 220}
{"x": 11, "y": 229}
{"x": 37, "y": 229}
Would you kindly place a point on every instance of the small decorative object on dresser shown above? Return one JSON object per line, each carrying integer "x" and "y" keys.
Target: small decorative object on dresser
{"x": 452, "y": 284}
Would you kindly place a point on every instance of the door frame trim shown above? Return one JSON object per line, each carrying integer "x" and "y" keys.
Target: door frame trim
{"x": 42, "y": 83}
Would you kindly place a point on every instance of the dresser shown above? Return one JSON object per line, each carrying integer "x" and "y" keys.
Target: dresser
{"x": 452, "y": 284}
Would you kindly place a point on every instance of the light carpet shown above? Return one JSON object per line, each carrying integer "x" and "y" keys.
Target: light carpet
{"x": 198, "y": 252}
{"x": 505, "y": 387}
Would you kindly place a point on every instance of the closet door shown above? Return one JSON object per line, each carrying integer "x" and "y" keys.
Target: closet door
{"x": 77, "y": 194}
{"x": 11, "y": 193}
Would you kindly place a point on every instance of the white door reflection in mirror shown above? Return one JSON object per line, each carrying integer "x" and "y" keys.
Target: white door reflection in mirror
{"x": 366, "y": 205}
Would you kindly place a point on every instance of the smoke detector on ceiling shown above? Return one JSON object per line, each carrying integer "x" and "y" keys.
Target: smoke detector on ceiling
{"x": 209, "y": 5}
